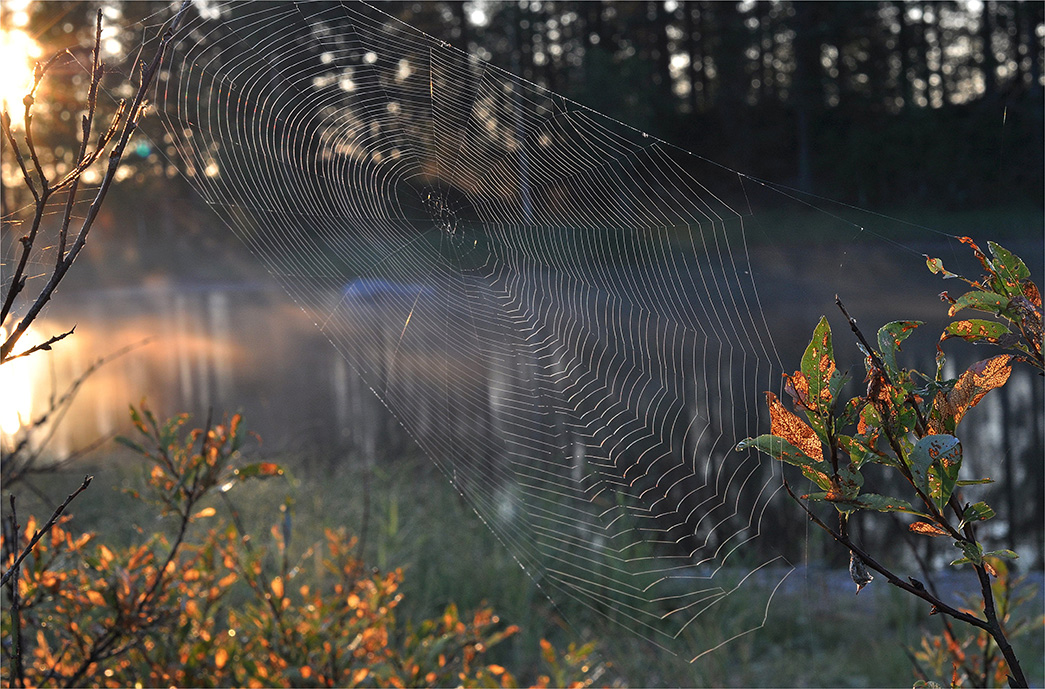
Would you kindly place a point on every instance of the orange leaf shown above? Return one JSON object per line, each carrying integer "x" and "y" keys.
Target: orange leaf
{"x": 971, "y": 386}
{"x": 220, "y": 658}
{"x": 205, "y": 512}
{"x": 96, "y": 598}
{"x": 548, "y": 652}
{"x": 927, "y": 529}
{"x": 797, "y": 386}
{"x": 786, "y": 425}
{"x": 1030, "y": 290}
{"x": 277, "y": 587}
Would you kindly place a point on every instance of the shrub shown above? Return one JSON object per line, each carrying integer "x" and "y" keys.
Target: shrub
{"x": 905, "y": 424}
{"x": 204, "y": 605}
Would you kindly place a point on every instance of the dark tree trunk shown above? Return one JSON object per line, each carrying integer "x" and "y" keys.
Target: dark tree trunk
{"x": 989, "y": 63}
{"x": 689, "y": 28}
{"x": 807, "y": 88}
{"x": 903, "y": 47}
{"x": 941, "y": 77}
{"x": 764, "y": 34}
{"x": 1032, "y": 16}
{"x": 659, "y": 20}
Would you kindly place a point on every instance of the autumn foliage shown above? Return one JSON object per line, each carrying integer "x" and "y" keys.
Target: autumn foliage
{"x": 204, "y": 603}
{"x": 905, "y": 423}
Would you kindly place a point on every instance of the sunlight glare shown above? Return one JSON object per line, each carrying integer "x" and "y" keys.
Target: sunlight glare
{"x": 17, "y": 380}
{"x": 18, "y": 55}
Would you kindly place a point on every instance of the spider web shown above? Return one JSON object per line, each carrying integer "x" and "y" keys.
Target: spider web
{"x": 560, "y": 310}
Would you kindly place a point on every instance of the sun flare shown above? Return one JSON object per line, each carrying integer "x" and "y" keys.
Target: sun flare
{"x": 17, "y": 379}
{"x": 18, "y": 55}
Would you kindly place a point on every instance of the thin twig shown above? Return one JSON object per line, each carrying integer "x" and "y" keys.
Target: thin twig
{"x": 893, "y": 579}
{"x": 879, "y": 366}
{"x": 990, "y": 625}
{"x": 5, "y": 119}
{"x": 43, "y": 346}
{"x": 85, "y": 135}
{"x": 47, "y": 527}
{"x": 14, "y": 467}
{"x": 16, "y": 608}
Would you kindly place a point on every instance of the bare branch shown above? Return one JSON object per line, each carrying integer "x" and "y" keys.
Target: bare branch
{"x": 14, "y": 468}
{"x": 18, "y": 280}
{"x": 45, "y": 346}
{"x": 115, "y": 158}
{"x": 16, "y": 608}
{"x": 913, "y": 588}
{"x": 97, "y": 69}
{"x": 879, "y": 366}
{"x": 40, "y": 533}
{"x": 17, "y": 152}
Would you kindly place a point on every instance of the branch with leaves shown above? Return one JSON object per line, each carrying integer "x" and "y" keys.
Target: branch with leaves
{"x": 906, "y": 423}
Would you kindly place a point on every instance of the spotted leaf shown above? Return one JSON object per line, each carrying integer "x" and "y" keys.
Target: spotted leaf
{"x": 792, "y": 429}
{"x": 818, "y": 366}
{"x": 977, "y": 330}
{"x": 980, "y": 378}
{"x": 927, "y": 529}
{"x": 990, "y": 302}
{"x": 889, "y": 338}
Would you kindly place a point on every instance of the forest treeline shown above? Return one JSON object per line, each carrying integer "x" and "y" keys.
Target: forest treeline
{"x": 881, "y": 104}
{"x": 875, "y": 103}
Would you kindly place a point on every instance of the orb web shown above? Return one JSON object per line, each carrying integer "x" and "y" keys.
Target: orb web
{"x": 560, "y": 310}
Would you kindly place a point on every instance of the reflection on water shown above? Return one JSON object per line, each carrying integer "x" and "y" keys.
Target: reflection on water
{"x": 248, "y": 348}
{"x": 182, "y": 348}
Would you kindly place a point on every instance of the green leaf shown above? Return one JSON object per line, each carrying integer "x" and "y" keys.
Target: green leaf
{"x": 1009, "y": 268}
{"x": 864, "y": 501}
{"x": 978, "y": 512}
{"x": 919, "y": 461}
{"x": 1006, "y": 553}
{"x": 850, "y": 480}
{"x": 138, "y": 422}
{"x": 976, "y": 330}
{"x": 890, "y": 336}
{"x": 816, "y": 470}
{"x": 818, "y": 366}
{"x": 851, "y": 412}
{"x": 947, "y": 456}
{"x": 836, "y": 383}
{"x": 859, "y": 453}
{"x": 885, "y": 503}
{"x": 934, "y": 463}
{"x": 936, "y": 267}
{"x": 973, "y": 552}
{"x": 991, "y": 302}
{"x": 974, "y": 482}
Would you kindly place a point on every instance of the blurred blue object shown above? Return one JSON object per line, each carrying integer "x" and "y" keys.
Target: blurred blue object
{"x": 375, "y": 289}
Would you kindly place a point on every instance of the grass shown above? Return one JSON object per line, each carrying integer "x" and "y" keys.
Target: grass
{"x": 418, "y": 522}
